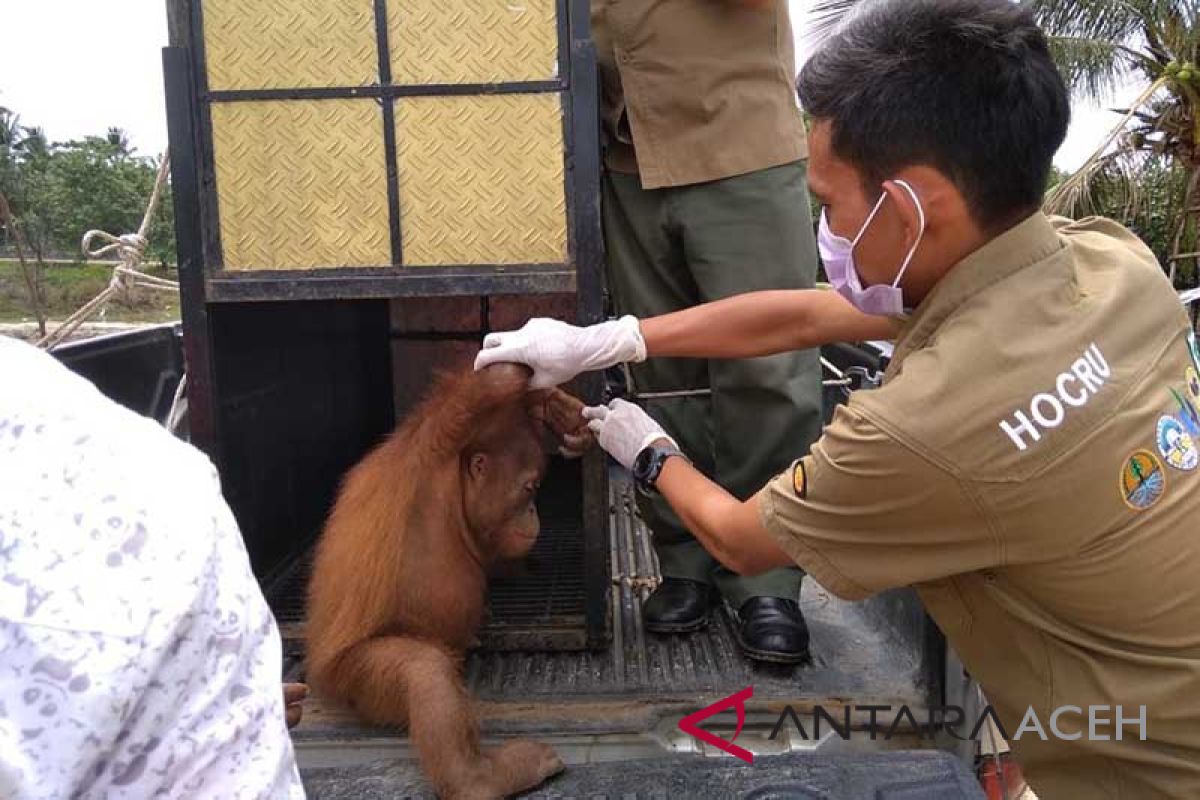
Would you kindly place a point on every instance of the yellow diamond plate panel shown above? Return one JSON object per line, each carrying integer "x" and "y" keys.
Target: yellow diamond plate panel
{"x": 272, "y": 44}
{"x": 472, "y": 41}
{"x": 301, "y": 183}
{"x": 481, "y": 179}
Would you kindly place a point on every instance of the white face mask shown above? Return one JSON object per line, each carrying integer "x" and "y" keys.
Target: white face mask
{"x": 837, "y": 253}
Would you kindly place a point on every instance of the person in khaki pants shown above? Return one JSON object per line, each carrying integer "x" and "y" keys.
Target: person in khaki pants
{"x": 705, "y": 197}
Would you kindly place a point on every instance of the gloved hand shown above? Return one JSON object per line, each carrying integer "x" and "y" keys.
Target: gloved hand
{"x": 624, "y": 430}
{"x": 558, "y": 352}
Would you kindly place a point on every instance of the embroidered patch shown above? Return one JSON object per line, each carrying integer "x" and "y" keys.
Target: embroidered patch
{"x": 1192, "y": 379}
{"x": 1176, "y": 445}
{"x": 799, "y": 480}
{"x": 1187, "y": 414}
{"x": 1142, "y": 480}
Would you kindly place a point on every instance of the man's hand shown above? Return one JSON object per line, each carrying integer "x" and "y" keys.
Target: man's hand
{"x": 624, "y": 430}
{"x": 557, "y": 352}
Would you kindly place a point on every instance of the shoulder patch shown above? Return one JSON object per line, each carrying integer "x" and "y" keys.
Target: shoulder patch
{"x": 1143, "y": 481}
{"x": 799, "y": 480}
{"x": 1176, "y": 445}
{"x": 1192, "y": 380}
{"x": 1187, "y": 413}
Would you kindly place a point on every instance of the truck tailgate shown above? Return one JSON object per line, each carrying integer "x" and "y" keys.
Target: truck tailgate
{"x": 882, "y": 776}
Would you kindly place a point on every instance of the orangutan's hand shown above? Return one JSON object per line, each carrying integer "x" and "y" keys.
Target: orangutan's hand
{"x": 293, "y": 697}
{"x": 562, "y": 414}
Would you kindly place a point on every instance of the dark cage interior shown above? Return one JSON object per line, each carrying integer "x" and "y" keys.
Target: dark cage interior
{"x": 304, "y": 389}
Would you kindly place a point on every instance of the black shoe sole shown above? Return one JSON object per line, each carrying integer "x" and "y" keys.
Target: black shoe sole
{"x": 770, "y": 656}
{"x": 675, "y": 627}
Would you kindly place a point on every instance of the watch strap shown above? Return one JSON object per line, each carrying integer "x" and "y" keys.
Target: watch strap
{"x": 658, "y": 458}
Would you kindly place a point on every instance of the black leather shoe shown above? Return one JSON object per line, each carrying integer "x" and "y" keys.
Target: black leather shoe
{"x": 772, "y": 629}
{"x": 678, "y": 605}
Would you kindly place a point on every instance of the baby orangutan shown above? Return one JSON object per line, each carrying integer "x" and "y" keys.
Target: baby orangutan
{"x": 399, "y": 582}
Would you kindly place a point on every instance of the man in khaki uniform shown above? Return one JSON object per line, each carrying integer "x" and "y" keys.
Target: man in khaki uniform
{"x": 704, "y": 198}
{"x": 1031, "y": 464}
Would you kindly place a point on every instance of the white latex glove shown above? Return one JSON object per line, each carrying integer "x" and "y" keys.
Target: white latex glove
{"x": 624, "y": 430}
{"x": 557, "y": 352}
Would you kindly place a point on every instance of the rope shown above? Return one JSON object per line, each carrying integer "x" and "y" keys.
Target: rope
{"x": 178, "y": 409}
{"x": 130, "y": 249}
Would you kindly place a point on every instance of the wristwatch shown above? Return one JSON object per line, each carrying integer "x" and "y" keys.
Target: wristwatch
{"x": 649, "y": 465}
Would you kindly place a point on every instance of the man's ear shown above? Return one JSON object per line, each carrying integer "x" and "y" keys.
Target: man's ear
{"x": 910, "y": 216}
{"x": 941, "y": 200}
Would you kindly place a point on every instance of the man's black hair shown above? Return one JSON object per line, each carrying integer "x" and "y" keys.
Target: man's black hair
{"x": 967, "y": 87}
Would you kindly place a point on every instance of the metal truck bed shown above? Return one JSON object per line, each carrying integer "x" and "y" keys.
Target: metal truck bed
{"x": 881, "y": 776}
{"x": 623, "y": 701}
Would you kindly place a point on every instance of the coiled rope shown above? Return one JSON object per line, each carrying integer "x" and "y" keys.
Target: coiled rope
{"x": 130, "y": 249}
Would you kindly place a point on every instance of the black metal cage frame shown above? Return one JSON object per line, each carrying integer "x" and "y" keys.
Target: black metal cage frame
{"x": 577, "y": 79}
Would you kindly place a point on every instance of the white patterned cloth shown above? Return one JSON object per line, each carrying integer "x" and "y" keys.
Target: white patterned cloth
{"x": 138, "y": 658}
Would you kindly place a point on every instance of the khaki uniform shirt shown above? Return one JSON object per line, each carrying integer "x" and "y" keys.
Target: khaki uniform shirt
{"x": 1030, "y": 467}
{"x": 703, "y": 89}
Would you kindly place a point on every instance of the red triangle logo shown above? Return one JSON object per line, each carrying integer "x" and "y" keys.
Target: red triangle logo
{"x": 690, "y": 724}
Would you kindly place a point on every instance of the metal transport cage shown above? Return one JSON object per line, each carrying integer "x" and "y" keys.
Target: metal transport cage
{"x": 363, "y": 189}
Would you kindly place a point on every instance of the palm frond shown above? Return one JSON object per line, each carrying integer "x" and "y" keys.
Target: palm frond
{"x": 1079, "y": 194}
{"x": 1095, "y": 68}
{"x": 1120, "y": 185}
{"x": 1181, "y": 30}
{"x": 1072, "y": 194}
{"x": 1172, "y": 26}
{"x": 1104, "y": 20}
{"x": 825, "y": 15}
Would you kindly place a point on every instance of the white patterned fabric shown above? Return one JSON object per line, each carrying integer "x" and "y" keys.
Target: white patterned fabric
{"x": 138, "y": 658}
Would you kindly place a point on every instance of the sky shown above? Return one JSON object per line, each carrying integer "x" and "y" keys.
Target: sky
{"x": 77, "y": 67}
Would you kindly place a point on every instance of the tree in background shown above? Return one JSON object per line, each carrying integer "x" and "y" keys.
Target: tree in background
{"x": 54, "y": 192}
{"x": 97, "y": 182}
{"x": 16, "y": 146}
{"x": 1146, "y": 174}
{"x": 1147, "y": 171}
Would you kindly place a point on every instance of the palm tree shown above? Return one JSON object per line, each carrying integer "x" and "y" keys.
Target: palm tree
{"x": 10, "y": 127}
{"x": 13, "y": 138}
{"x": 119, "y": 141}
{"x": 34, "y": 142}
{"x": 1154, "y": 46}
{"x": 1103, "y": 45}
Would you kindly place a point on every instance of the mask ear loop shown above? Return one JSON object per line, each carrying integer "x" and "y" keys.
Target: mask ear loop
{"x": 853, "y": 277}
{"x": 920, "y": 233}
{"x": 870, "y": 218}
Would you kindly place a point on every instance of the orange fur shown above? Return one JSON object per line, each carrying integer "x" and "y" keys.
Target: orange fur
{"x": 399, "y": 580}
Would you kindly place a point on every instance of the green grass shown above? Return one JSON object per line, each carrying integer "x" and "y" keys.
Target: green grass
{"x": 69, "y": 286}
